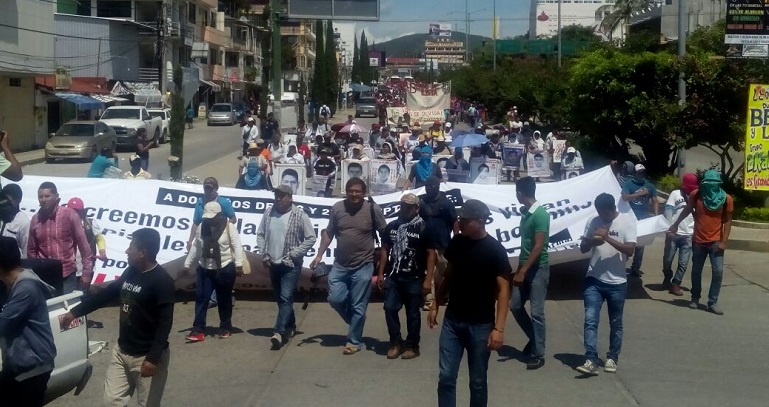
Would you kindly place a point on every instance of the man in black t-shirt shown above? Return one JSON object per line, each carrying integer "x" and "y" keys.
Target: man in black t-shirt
{"x": 478, "y": 276}
{"x": 325, "y": 166}
{"x": 408, "y": 258}
{"x": 270, "y": 129}
{"x": 146, "y": 294}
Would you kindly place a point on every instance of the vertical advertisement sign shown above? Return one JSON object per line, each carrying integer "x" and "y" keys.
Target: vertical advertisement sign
{"x": 757, "y": 140}
{"x": 746, "y": 32}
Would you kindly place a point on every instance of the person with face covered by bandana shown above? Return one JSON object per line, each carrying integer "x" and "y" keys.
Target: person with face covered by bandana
{"x": 712, "y": 209}
{"x": 253, "y": 179}
{"x": 13, "y": 222}
{"x": 424, "y": 169}
{"x": 641, "y": 194}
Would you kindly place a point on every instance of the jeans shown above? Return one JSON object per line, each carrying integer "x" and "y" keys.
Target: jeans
{"x": 284, "y": 279}
{"x": 699, "y": 252}
{"x": 682, "y": 245}
{"x": 145, "y": 163}
{"x": 70, "y": 284}
{"x": 596, "y": 292}
{"x": 638, "y": 258}
{"x": 221, "y": 281}
{"x": 399, "y": 292}
{"x": 28, "y": 393}
{"x": 534, "y": 290}
{"x": 348, "y": 294}
{"x": 456, "y": 337}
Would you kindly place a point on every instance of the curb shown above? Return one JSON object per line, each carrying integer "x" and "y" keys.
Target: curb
{"x": 32, "y": 161}
{"x": 750, "y": 225}
{"x": 748, "y": 245}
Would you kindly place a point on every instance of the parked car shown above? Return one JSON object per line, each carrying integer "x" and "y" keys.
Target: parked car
{"x": 222, "y": 113}
{"x": 241, "y": 110}
{"x": 165, "y": 116}
{"x": 80, "y": 139}
{"x": 366, "y": 106}
{"x": 127, "y": 120}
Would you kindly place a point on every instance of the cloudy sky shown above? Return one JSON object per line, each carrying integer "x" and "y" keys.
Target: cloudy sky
{"x": 401, "y": 17}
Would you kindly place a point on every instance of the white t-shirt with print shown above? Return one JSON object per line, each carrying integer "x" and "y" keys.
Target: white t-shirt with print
{"x": 677, "y": 202}
{"x": 608, "y": 264}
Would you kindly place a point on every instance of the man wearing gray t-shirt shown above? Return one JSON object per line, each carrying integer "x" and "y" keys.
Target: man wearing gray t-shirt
{"x": 354, "y": 223}
{"x": 612, "y": 238}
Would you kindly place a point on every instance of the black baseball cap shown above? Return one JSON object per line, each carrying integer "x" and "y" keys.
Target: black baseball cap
{"x": 474, "y": 209}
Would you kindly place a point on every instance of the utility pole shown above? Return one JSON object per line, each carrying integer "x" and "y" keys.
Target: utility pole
{"x": 467, "y": 34}
{"x": 276, "y": 52}
{"x": 494, "y": 31}
{"x": 560, "y": 53}
{"x": 682, "y": 28}
{"x": 159, "y": 52}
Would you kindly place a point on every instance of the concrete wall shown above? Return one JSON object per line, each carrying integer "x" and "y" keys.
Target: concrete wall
{"x": 22, "y": 50}
{"x": 17, "y": 111}
{"x": 115, "y": 56}
{"x": 699, "y": 13}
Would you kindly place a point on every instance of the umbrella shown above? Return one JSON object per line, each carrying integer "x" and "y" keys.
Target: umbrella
{"x": 467, "y": 140}
{"x": 352, "y": 128}
{"x": 336, "y": 127}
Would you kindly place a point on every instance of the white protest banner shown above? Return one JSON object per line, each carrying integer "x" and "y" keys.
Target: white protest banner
{"x": 559, "y": 147}
{"x": 428, "y": 96}
{"x": 293, "y": 175}
{"x": 538, "y": 164}
{"x": 419, "y": 115}
{"x": 122, "y": 206}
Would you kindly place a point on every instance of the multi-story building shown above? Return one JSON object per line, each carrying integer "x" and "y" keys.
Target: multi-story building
{"x": 301, "y": 36}
{"x": 445, "y": 51}
{"x": 26, "y": 50}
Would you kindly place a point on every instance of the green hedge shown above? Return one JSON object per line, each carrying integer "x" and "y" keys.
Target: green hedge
{"x": 668, "y": 183}
{"x": 755, "y": 215}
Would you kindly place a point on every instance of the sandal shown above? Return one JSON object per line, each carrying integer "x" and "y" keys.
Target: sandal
{"x": 350, "y": 350}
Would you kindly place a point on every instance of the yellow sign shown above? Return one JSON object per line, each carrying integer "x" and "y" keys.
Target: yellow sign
{"x": 757, "y": 139}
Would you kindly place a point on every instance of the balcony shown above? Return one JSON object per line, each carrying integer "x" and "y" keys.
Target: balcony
{"x": 217, "y": 37}
{"x": 298, "y": 31}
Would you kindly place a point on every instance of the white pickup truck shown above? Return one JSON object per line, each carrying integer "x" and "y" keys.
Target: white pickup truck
{"x": 72, "y": 370}
{"x": 127, "y": 120}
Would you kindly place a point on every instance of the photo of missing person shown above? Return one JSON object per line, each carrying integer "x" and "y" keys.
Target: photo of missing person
{"x": 484, "y": 171}
{"x": 293, "y": 176}
{"x": 538, "y": 164}
{"x": 354, "y": 169}
{"x": 384, "y": 176}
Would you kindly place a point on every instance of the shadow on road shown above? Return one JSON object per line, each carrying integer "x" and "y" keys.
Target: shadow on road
{"x": 507, "y": 353}
{"x": 567, "y": 281}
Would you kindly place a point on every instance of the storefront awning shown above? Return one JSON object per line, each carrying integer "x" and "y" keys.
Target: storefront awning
{"x": 82, "y": 102}
{"x": 214, "y": 87}
{"x": 109, "y": 98}
{"x": 143, "y": 92}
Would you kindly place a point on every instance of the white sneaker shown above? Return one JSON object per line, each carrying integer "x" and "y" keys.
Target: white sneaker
{"x": 610, "y": 366}
{"x": 589, "y": 368}
{"x": 277, "y": 341}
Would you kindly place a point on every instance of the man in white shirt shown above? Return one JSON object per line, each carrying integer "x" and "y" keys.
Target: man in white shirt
{"x": 9, "y": 166}
{"x": 250, "y": 135}
{"x": 13, "y": 222}
{"x": 681, "y": 241}
{"x": 612, "y": 238}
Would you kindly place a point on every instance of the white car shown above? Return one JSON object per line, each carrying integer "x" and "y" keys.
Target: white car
{"x": 165, "y": 116}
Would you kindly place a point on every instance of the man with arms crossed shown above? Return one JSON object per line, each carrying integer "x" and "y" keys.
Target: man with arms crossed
{"x": 146, "y": 293}
{"x": 477, "y": 283}
{"x": 612, "y": 238}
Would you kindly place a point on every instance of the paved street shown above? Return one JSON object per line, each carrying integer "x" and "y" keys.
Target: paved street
{"x": 672, "y": 356}
{"x": 202, "y": 145}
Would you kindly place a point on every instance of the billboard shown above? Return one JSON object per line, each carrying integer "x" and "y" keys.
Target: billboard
{"x": 376, "y": 59}
{"x": 357, "y": 10}
{"x": 757, "y": 140}
{"x": 440, "y": 30}
{"x": 747, "y": 35}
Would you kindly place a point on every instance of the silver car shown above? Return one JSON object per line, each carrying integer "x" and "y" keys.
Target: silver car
{"x": 222, "y": 113}
{"x": 81, "y": 139}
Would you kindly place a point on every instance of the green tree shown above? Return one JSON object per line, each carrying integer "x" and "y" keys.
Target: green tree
{"x": 364, "y": 64}
{"x": 332, "y": 71}
{"x": 319, "y": 76}
{"x": 355, "y": 74}
{"x": 176, "y": 127}
{"x": 580, "y": 34}
{"x": 621, "y": 13}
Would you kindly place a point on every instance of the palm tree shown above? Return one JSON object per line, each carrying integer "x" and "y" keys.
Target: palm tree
{"x": 621, "y": 13}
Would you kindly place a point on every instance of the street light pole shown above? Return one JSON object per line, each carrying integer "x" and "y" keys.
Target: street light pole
{"x": 682, "y": 25}
{"x": 467, "y": 34}
{"x": 494, "y": 31}
{"x": 560, "y": 54}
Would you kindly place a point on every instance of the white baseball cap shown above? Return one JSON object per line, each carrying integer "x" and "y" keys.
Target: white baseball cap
{"x": 211, "y": 210}
{"x": 640, "y": 167}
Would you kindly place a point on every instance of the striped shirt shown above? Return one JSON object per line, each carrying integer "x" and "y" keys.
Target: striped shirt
{"x": 59, "y": 236}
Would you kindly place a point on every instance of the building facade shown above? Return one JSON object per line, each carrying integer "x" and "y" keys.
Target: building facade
{"x": 445, "y": 51}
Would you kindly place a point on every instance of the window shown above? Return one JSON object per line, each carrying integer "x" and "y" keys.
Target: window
{"x": 14, "y": 82}
{"x": 114, "y": 8}
{"x": 192, "y": 13}
{"x": 232, "y": 59}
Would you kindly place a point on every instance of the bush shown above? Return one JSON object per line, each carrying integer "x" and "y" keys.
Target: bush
{"x": 755, "y": 215}
{"x": 668, "y": 183}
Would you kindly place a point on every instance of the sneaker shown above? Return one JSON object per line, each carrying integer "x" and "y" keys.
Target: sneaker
{"x": 410, "y": 354}
{"x": 225, "y": 334}
{"x": 610, "y": 366}
{"x": 714, "y": 309}
{"x": 195, "y": 337}
{"x": 394, "y": 351}
{"x": 212, "y": 304}
{"x": 535, "y": 363}
{"x": 277, "y": 341}
{"x": 589, "y": 368}
{"x": 676, "y": 290}
{"x": 694, "y": 304}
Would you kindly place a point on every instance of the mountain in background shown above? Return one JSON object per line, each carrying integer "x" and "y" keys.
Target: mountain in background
{"x": 413, "y": 45}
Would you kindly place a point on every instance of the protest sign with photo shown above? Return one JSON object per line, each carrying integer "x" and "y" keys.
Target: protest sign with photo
{"x": 383, "y": 176}
{"x": 168, "y": 208}
{"x": 569, "y": 174}
{"x": 355, "y": 169}
{"x": 484, "y": 171}
{"x": 293, "y": 175}
{"x": 538, "y": 165}
{"x": 512, "y": 154}
{"x": 559, "y": 146}
{"x": 320, "y": 184}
